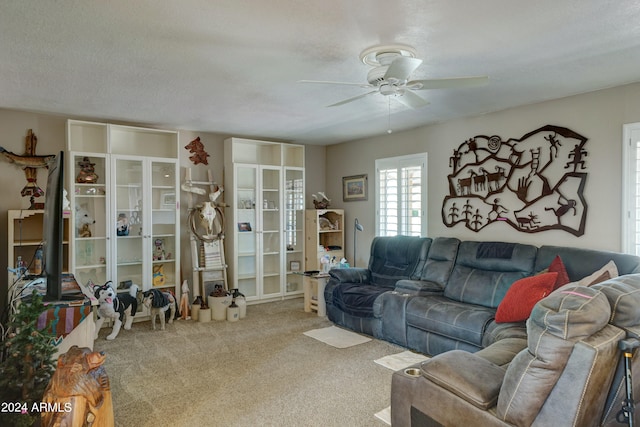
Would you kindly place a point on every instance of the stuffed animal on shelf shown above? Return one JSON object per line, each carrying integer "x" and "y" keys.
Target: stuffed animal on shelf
{"x": 159, "y": 253}
{"x": 83, "y": 221}
{"x": 87, "y": 174}
{"x": 120, "y": 308}
{"x": 122, "y": 226}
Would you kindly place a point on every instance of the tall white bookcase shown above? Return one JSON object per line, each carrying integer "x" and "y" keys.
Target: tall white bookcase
{"x": 265, "y": 217}
{"x": 134, "y": 203}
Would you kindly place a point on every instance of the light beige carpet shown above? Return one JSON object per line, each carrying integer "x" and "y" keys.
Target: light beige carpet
{"x": 259, "y": 371}
{"x": 337, "y": 337}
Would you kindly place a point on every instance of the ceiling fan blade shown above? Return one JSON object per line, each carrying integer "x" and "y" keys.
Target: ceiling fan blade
{"x": 412, "y": 100}
{"x": 401, "y": 68}
{"x": 334, "y": 83}
{"x": 456, "y": 82}
{"x": 355, "y": 98}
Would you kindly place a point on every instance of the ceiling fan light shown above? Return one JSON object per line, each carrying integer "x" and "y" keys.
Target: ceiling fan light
{"x": 388, "y": 89}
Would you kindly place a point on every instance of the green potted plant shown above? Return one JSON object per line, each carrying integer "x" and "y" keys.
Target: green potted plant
{"x": 26, "y": 365}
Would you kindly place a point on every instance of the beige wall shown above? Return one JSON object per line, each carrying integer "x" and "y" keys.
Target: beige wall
{"x": 598, "y": 115}
{"x": 51, "y": 133}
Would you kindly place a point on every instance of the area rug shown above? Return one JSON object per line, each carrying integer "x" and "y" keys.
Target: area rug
{"x": 398, "y": 361}
{"x": 384, "y": 415}
{"x": 337, "y": 337}
{"x": 395, "y": 362}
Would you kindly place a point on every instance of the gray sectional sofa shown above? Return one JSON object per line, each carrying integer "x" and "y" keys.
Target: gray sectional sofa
{"x": 440, "y": 297}
{"x": 436, "y": 295}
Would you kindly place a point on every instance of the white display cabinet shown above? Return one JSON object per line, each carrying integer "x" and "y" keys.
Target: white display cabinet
{"x": 294, "y": 233}
{"x": 133, "y": 201}
{"x": 265, "y": 196}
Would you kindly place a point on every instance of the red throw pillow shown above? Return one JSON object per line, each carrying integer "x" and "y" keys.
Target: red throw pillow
{"x": 557, "y": 266}
{"x": 523, "y": 295}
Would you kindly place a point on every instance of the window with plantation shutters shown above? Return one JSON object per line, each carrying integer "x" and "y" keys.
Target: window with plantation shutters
{"x": 631, "y": 189}
{"x": 401, "y": 196}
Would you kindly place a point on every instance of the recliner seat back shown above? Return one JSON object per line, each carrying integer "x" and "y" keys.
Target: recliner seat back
{"x": 569, "y": 361}
{"x": 484, "y": 271}
{"x": 397, "y": 257}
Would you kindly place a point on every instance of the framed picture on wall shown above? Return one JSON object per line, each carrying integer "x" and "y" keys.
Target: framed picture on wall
{"x": 354, "y": 188}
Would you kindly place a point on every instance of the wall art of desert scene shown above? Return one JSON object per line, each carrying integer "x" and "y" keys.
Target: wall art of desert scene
{"x": 532, "y": 184}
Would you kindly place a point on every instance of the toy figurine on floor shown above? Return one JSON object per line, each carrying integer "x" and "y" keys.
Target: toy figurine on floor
{"x": 119, "y": 308}
{"x": 184, "y": 302}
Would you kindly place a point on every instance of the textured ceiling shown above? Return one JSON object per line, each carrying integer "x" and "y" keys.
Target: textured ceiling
{"x": 232, "y": 67}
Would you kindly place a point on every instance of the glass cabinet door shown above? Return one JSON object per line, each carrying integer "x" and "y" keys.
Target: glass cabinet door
{"x": 246, "y": 233}
{"x": 163, "y": 224}
{"x": 128, "y": 221}
{"x": 271, "y": 231}
{"x": 294, "y": 228}
{"x": 90, "y": 243}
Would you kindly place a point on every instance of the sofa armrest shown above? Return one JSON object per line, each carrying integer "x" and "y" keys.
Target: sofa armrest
{"x": 472, "y": 378}
{"x": 350, "y": 275}
{"x": 417, "y": 287}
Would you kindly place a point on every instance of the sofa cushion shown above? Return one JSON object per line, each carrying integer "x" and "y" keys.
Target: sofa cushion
{"x": 484, "y": 271}
{"x": 557, "y": 266}
{"x": 397, "y": 257}
{"x": 357, "y": 299}
{"x": 581, "y": 262}
{"x": 440, "y": 261}
{"x": 452, "y": 319}
{"x": 523, "y": 295}
{"x": 606, "y": 272}
{"x": 568, "y": 315}
{"x": 623, "y": 294}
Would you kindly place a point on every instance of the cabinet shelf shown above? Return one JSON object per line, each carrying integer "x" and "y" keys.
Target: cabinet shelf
{"x": 318, "y": 239}
{"x": 24, "y": 236}
{"x": 90, "y": 266}
{"x": 120, "y": 264}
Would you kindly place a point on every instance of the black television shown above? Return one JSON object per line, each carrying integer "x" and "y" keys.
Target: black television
{"x": 53, "y": 229}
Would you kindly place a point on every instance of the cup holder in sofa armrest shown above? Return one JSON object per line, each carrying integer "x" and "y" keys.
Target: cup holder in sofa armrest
{"x": 417, "y": 287}
{"x": 470, "y": 377}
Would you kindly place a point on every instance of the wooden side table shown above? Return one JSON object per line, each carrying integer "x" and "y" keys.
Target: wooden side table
{"x": 314, "y": 293}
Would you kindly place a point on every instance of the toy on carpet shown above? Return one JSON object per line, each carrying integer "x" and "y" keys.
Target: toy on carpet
{"x": 159, "y": 303}
{"x": 184, "y": 301}
{"x": 120, "y": 308}
{"x": 83, "y": 221}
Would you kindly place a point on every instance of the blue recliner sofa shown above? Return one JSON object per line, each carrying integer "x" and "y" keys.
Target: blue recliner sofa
{"x": 352, "y": 292}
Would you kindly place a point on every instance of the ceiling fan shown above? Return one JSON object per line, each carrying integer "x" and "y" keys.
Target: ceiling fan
{"x": 392, "y": 67}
